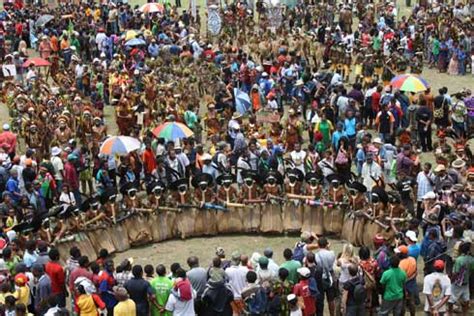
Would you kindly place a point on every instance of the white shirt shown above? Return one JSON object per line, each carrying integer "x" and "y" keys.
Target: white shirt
{"x": 241, "y": 165}
{"x": 237, "y": 281}
{"x": 58, "y": 167}
{"x": 370, "y": 171}
{"x": 298, "y": 159}
{"x": 438, "y": 285}
{"x": 67, "y": 198}
{"x": 79, "y": 71}
{"x": 180, "y": 308}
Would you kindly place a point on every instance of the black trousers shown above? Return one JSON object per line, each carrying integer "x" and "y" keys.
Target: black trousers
{"x": 425, "y": 139}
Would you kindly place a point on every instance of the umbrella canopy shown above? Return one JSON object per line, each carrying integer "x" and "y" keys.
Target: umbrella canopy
{"x": 409, "y": 83}
{"x": 135, "y": 42}
{"x": 152, "y": 8}
{"x": 242, "y": 101}
{"x": 43, "y": 20}
{"x": 119, "y": 145}
{"x": 37, "y": 61}
{"x": 172, "y": 131}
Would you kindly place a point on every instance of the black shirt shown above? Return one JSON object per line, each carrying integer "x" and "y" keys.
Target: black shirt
{"x": 139, "y": 289}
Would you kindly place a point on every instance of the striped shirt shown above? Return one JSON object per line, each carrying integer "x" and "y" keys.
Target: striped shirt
{"x": 424, "y": 184}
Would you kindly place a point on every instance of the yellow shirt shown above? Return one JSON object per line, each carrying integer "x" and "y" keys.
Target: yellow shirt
{"x": 22, "y": 294}
{"x": 2, "y": 297}
{"x": 86, "y": 305}
{"x": 125, "y": 308}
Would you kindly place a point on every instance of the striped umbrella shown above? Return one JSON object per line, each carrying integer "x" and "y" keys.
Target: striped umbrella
{"x": 172, "y": 131}
{"x": 119, "y": 145}
{"x": 409, "y": 83}
{"x": 152, "y": 7}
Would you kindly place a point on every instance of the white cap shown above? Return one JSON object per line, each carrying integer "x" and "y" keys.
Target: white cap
{"x": 377, "y": 140}
{"x": 439, "y": 168}
{"x": 234, "y": 125}
{"x": 206, "y": 156}
{"x": 55, "y": 151}
{"x": 136, "y": 72}
{"x": 6, "y": 127}
{"x": 411, "y": 235}
{"x": 429, "y": 196}
{"x": 291, "y": 297}
{"x": 265, "y": 74}
{"x": 304, "y": 272}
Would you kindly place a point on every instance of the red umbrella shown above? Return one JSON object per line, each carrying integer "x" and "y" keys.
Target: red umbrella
{"x": 37, "y": 61}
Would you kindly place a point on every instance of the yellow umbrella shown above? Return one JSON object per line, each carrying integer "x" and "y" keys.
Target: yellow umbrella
{"x": 130, "y": 35}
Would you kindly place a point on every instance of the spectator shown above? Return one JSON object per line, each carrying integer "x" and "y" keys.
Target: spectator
{"x": 437, "y": 289}
{"x": 393, "y": 281}
{"x": 58, "y": 277}
{"x": 140, "y": 291}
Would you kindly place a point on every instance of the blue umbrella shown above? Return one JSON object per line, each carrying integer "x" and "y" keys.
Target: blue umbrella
{"x": 242, "y": 101}
{"x": 135, "y": 42}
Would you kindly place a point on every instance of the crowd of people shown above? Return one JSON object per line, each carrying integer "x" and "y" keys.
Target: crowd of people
{"x": 295, "y": 127}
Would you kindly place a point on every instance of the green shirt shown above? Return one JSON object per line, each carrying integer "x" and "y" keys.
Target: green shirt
{"x": 463, "y": 266}
{"x": 394, "y": 281}
{"x": 190, "y": 118}
{"x": 292, "y": 266}
{"x": 162, "y": 287}
{"x": 435, "y": 49}
{"x": 377, "y": 44}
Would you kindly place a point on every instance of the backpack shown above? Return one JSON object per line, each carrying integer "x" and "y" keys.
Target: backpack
{"x": 438, "y": 113}
{"x": 359, "y": 293}
{"x": 298, "y": 252}
{"x": 369, "y": 280}
{"x": 257, "y": 303}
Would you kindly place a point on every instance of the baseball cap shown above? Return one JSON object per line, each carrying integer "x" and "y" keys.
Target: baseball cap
{"x": 304, "y": 272}
{"x": 430, "y": 195}
{"x": 263, "y": 260}
{"x": 402, "y": 249}
{"x": 438, "y": 264}
{"x": 411, "y": 235}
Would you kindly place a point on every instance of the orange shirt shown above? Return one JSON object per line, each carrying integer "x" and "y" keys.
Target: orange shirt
{"x": 54, "y": 44}
{"x": 64, "y": 44}
{"x": 409, "y": 266}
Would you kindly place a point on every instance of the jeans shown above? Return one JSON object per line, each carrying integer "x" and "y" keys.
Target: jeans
{"x": 388, "y": 307}
{"x": 355, "y": 310}
{"x": 425, "y": 139}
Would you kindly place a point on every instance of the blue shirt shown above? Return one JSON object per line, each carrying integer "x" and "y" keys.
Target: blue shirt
{"x": 336, "y": 136}
{"x": 350, "y": 126}
{"x": 414, "y": 251}
{"x": 13, "y": 187}
{"x": 153, "y": 50}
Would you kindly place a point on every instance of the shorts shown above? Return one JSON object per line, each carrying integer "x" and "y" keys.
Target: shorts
{"x": 237, "y": 306}
{"x": 459, "y": 293}
{"x": 331, "y": 293}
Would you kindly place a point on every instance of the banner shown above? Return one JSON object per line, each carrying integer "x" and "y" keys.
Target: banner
{"x": 214, "y": 21}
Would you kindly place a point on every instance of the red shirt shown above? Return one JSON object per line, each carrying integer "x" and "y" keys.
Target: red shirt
{"x": 302, "y": 289}
{"x": 70, "y": 176}
{"x": 149, "y": 161}
{"x": 376, "y": 96}
{"x": 58, "y": 278}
